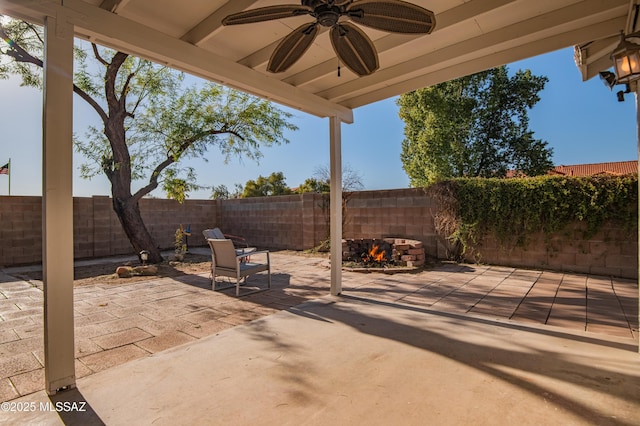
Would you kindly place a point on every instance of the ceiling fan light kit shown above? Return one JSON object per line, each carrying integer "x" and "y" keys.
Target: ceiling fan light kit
{"x": 352, "y": 46}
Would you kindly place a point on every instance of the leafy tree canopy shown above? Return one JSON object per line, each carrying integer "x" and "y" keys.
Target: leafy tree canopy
{"x": 313, "y": 184}
{"x": 149, "y": 120}
{"x": 221, "y": 192}
{"x": 274, "y": 184}
{"x": 476, "y": 125}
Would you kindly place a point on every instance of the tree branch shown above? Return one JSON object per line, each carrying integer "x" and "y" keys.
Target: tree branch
{"x": 21, "y": 55}
{"x": 124, "y": 91}
{"x": 97, "y": 55}
{"x": 35, "y": 32}
{"x": 153, "y": 180}
{"x": 92, "y": 102}
{"x": 17, "y": 52}
{"x": 181, "y": 149}
{"x": 110, "y": 78}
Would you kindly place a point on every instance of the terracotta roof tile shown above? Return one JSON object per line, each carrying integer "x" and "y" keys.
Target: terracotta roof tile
{"x": 615, "y": 168}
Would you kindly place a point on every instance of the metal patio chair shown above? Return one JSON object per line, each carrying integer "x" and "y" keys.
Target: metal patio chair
{"x": 240, "y": 244}
{"x": 227, "y": 263}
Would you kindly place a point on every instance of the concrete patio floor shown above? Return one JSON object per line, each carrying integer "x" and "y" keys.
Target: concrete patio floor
{"x": 456, "y": 344}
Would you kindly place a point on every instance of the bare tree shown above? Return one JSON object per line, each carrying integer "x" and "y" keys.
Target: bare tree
{"x": 351, "y": 178}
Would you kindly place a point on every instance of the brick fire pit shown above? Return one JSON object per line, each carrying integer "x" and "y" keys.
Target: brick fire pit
{"x": 382, "y": 254}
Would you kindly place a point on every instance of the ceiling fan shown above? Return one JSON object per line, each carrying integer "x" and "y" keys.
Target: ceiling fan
{"x": 351, "y": 44}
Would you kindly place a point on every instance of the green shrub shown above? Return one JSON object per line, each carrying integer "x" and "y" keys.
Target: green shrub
{"x": 514, "y": 209}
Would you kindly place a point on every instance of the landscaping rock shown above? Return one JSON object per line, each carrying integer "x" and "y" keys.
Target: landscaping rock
{"x": 145, "y": 270}
{"x": 128, "y": 271}
{"x": 124, "y": 271}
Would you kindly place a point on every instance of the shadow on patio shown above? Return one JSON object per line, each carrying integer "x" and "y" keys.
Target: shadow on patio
{"x": 348, "y": 361}
{"x": 404, "y": 347}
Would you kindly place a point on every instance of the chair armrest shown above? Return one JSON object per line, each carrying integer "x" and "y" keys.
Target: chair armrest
{"x": 236, "y": 239}
{"x": 245, "y": 251}
{"x": 240, "y": 256}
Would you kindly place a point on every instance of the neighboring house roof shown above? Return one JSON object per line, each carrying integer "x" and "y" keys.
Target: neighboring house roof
{"x": 615, "y": 168}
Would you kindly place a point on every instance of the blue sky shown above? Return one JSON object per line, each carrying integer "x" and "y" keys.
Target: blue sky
{"x": 582, "y": 121}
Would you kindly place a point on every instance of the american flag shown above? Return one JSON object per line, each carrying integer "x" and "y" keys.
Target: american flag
{"x": 4, "y": 170}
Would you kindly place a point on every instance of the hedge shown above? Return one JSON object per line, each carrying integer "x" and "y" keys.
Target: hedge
{"x": 514, "y": 209}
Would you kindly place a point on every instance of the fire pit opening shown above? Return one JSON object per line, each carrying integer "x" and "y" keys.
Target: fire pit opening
{"x": 382, "y": 254}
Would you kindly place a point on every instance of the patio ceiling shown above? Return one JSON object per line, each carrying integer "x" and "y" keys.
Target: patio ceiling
{"x": 469, "y": 36}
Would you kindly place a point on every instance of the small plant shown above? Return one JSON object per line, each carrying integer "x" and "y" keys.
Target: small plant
{"x": 180, "y": 247}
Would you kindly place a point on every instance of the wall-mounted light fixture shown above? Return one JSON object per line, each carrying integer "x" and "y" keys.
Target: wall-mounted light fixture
{"x": 626, "y": 59}
{"x": 626, "y": 64}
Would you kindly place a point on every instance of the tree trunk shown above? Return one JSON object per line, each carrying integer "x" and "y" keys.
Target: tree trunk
{"x": 128, "y": 213}
{"x": 117, "y": 168}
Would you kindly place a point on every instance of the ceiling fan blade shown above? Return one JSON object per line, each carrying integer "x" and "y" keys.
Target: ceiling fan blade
{"x": 268, "y": 13}
{"x": 393, "y": 16}
{"x": 354, "y": 48}
{"x": 292, "y": 47}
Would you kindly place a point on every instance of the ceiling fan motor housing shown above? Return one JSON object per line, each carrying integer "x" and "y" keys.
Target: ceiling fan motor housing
{"x": 327, "y": 15}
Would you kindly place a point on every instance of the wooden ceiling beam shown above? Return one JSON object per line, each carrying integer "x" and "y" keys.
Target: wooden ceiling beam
{"x": 213, "y": 23}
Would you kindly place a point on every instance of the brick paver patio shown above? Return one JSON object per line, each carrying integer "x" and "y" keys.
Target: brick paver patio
{"x": 118, "y": 323}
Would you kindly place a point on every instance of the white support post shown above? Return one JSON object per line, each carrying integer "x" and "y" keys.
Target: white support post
{"x": 336, "y": 204}
{"x": 638, "y": 147}
{"x": 57, "y": 205}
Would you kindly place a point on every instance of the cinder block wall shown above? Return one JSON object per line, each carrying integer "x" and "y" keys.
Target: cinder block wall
{"x": 401, "y": 213}
{"x": 298, "y": 222}
{"x": 292, "y": 222}
{"x": 96, "y": 229}
{"x": 612, "y": 251}
{"x": 20, "y": 230}
{"x": 163, "y": 217}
